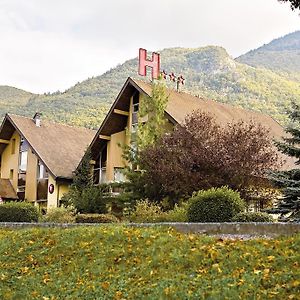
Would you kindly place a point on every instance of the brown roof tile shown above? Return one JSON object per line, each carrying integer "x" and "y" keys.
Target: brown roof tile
{"x": 59, "y": 146}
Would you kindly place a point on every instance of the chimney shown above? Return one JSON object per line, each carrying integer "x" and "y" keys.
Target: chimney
{"x": 37, "y": 119}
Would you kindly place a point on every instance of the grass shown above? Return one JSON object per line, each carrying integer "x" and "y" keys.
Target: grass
{"x": 117, "y": 262}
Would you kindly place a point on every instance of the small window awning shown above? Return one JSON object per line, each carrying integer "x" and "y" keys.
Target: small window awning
{"x": 6, "y": 190}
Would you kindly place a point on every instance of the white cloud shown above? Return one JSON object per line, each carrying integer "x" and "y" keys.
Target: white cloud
{"x": 48, "y": 45}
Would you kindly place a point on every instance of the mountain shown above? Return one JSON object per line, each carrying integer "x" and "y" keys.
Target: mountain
{"x": 282, "y": 55}
{"x": 209, "y": 71}
{"x": 11, "y": 98}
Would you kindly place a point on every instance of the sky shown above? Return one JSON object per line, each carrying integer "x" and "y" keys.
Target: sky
{"x": 50, "y": 45}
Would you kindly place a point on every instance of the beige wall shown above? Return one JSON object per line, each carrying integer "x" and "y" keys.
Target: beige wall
{"x": 59, "y": 191}
{"x": 114, "y": 154}
{"x": 10, "y": 161}
{"x": 31, "y": 176}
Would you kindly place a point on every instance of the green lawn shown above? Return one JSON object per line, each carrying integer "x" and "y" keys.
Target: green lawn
{"x": 118, "y": 262}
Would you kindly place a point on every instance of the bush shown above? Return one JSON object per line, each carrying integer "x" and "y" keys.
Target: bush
{"x": 252, "y": 217}
{"x": 147, "y": 212}
{"x": 214, "y": 205}
{"x": 60, "y": 215}
{"x": 89, "y": 200}
{"x": 96, "y": 218}
{"x": 178, "y": 214}
{"x": 18, "y": 212}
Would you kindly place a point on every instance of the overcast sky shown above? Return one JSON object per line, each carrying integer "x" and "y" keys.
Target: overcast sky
{"x": 49, "y": 45}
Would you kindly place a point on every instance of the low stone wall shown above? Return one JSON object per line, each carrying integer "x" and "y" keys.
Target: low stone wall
{"x": 250, "y": 229}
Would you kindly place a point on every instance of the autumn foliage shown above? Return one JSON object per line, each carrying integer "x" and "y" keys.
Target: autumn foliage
{"x": 201, "y": 154}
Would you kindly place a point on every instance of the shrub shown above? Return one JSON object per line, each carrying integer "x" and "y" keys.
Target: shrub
{"x": 60, "y": 215}
{"x": 178, "y": 214}
{"x": 89, "y": 200}
{"x": 96, "y": 218}
{"x": 18, "y": 212}
{"x": 147, "y": 212}
{"x": 252, "y": 217}
{"x": 214, "y": 205}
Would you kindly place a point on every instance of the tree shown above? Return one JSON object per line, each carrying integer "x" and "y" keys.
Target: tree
{"x": 289, "y": 181}
{"x": 153, "y": 109}
{"x": 295, "y": 4}
{"x": 82, "y": 176}
{"x": 200, "y": 154}
{"x": 83, "y": 195}
{"x": 148, "y": 133}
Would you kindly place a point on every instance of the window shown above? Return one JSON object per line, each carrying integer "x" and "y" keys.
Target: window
{"x": 13, "y": 146}
{"x": 23, "y": 155}
{"x": 42, "y": 171}
{"x": 11, "y": 174}
{"x": 135, "y": 108}
{"x": 119, "y": 175}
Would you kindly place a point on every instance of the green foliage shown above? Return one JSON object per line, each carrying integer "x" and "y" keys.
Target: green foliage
{"x": 118, "y": 262}
{"x": 152, "y": 108}
{"x": 91, "y": 200}
{"x": 18, "y": 212}
{"x": 147, "y": 212}
{"x": 281, "y": 56}
{"x": 96, "y": 218}
{"x": 177, "y": 214}
{"x": 83, "y": 195}
{"x": 252, "y": 217}
{"x": 60, "y": 215}
{"x": 289, "y": 181}
{"x": 214, "y": 205}
{"x": 83, "y": 176}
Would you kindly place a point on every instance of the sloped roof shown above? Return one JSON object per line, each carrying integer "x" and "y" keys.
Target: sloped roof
{"x": 6, "y": 190}
{"x": 181, "y": 104}
{"x": 60, "y": 147}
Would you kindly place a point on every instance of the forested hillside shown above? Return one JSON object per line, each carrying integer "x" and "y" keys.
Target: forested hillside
{"x": 281, "y": 55}
{"x": 209, "y": 72}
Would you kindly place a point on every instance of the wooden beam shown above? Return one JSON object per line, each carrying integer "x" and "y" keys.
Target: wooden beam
{"x": 121, "y": 112}
{"x": 104, "y": 137}
{"x": 4, "y": 142}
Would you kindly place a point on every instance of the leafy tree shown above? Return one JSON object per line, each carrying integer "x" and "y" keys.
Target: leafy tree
{"x": 153, "y": 109}
{"x": 201, "y": 154}
{"x": 295, "y": 4}
{"x": 289, "y": 181}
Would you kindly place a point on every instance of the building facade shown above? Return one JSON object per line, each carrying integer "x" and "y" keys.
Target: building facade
{"x": 39, "y": 157}
{"x": 122, "y": 120}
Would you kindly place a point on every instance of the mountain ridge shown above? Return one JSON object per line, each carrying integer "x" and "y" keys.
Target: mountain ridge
{"x": 209, "y": 71}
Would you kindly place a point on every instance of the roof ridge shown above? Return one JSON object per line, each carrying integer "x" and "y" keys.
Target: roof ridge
{"x": 53, "y": 122}
{"x": 250, "y": 110}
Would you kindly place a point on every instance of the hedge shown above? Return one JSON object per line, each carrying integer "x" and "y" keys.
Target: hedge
{"x": 96, "y": 218}
{"x": 18, "y": 212}
{"x": 252, "y": 217}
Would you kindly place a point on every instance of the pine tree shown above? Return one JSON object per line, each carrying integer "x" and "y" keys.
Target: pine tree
{"x": 289, "y": 181}
{"x": 83, "y": 176}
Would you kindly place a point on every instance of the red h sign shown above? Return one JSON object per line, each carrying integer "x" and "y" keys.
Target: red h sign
{"x": 144, "y": 62}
